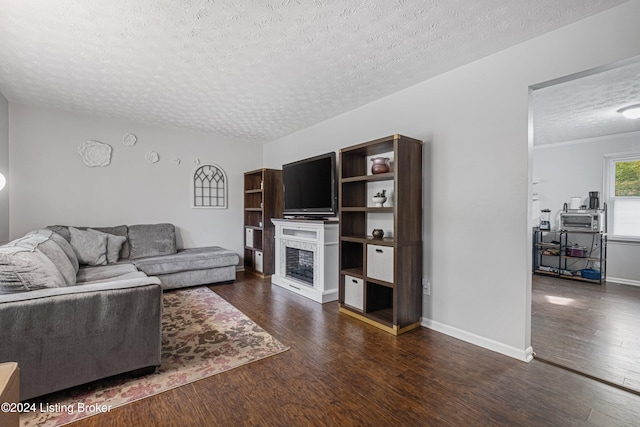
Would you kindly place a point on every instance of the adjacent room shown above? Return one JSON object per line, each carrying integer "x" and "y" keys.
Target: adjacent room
{"x": 586, "y": 175}
{"x": 316, "y": 213}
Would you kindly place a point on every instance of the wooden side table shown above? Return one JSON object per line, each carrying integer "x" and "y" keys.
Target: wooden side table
{"x": 9, "y": 393}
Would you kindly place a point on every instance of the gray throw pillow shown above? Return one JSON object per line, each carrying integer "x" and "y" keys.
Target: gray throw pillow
{"x": 114, "y": 244}
{"x": 60, "y": 260}
{"x": 89, "y": 246}
{"x": 62, "y": 242}
{"x": 23, "y": 269}
{"x": 152, "y": 240}
{"x": 68, "y": 250}
{"x": 118, "y": 230}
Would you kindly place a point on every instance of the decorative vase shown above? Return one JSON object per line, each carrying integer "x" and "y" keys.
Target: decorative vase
{"x": 378, "y": 202}
{"x": 378, "y": 233}
{"x": 380, "y": 165}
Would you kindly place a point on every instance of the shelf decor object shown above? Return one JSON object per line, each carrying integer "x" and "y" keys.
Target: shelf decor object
{"x": 379, "y": 199}
{"x": 262, "y": 202}
{"x": 378, "y": 233}
{"x": 95, "y": 153}
{"x": 381, "y": 277}
{"x": 380, "y": 165}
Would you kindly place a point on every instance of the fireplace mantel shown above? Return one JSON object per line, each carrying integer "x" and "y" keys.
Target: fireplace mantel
{"x": 316, "y": 237}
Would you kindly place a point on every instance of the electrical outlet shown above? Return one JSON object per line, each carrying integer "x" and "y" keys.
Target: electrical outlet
{"x": 426, "y": 286}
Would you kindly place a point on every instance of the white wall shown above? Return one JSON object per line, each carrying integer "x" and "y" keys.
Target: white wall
{"x": 474, "y": 120}
{"x": 51, "y": 184}
{"x": 4, "y": 169}
{"x": 574, "y": 169}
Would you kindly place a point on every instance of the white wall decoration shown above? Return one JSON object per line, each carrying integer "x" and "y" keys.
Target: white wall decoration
{"x": 129, "y": 140}
{"x": 152, "y": 157}
{"x": 95, "y": 153}
{"x": 209, "y": 187}
{"x": 176, "y": 161}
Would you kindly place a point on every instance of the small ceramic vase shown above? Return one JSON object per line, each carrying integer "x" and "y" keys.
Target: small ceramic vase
{"x": 380, "y": 165}
{"x": 378, "y": 233}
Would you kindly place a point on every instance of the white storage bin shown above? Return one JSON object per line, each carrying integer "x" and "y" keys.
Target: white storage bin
{"x": 257, "y": 261}
{"x": 380, "y": 262}
{"x": 354, "y": 292}
{"x": 248, "y": 237}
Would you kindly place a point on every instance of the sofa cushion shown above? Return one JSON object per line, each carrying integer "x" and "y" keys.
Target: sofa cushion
{"x": 147, "y": 240}
{"x": 52, "y": 248}
{"x": 42, "y": 241}
{"x": 23, "y": 269}
{"x": 68, "y": 250}
{"x": 118, "y": 230}
{"x": 90, "y": 247}
{"x": 102, "y": 272}
{"x": 114, "y": 245}
{"x": 188, "y": 259}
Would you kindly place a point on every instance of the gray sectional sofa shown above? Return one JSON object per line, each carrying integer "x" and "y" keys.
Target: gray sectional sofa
{"x": 79, "y": 304}
{"x": 152, "y": 249}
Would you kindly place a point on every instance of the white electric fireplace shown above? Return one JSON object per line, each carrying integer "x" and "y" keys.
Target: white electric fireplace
{"x": 306, "y": 258}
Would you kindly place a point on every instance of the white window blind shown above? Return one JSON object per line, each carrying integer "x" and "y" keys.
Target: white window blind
{"x": 626, "y": 216}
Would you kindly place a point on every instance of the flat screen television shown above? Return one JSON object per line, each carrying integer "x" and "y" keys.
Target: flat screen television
{"x": 310, "y": 187}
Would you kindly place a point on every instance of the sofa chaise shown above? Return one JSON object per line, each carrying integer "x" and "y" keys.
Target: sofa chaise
{"x": 152, "y": 249}
{"x": 73, "y": 311}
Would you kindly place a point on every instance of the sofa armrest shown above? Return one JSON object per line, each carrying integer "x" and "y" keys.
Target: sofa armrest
{"x": 79, "y": 289}
{"x": 64, "y": 337}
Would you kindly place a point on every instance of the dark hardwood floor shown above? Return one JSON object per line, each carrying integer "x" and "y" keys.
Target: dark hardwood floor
{"x": 590, "y": 328}
{"x": 342, "y": 372}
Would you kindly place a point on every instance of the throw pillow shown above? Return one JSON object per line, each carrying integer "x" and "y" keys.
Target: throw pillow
{"x": 60, "y": 260}
{"x": 114, "y": 244}
{"x": 22, "y": 270}
{"x": 62, "y": 242}
{"x": 151, "y": 240}
{"x": 89, "y": 246}
{"x": 118, "y": 230}
{"x": 68, "y": 250}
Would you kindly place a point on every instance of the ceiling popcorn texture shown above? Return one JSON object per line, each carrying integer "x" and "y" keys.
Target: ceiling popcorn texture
{"x": 255, "y": 70}
{"x": 587, "y": 107}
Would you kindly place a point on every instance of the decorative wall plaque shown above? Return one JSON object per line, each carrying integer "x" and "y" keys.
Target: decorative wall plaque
{"x": 129, "y": 140}
{"x": 95, "y": 153}
{"x": 152, "y": 157}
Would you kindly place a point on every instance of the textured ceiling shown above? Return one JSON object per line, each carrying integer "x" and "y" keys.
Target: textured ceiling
{"x": 586, "y": 107}
{"x": 255, "y": 70}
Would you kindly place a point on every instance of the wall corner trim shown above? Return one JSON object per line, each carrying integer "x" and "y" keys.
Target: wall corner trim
{"x": 525, "y": 355}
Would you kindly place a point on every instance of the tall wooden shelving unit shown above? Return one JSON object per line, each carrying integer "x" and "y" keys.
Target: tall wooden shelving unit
{"x": 262, "y": 201}
{"x": 381, "y": 279}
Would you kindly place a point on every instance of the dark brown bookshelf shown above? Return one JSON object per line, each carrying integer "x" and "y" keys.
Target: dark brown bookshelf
{"x": 389, "y": 291}
{"x": 262, "y": 201}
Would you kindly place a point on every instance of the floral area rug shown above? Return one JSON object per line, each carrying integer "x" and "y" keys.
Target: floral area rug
{"x": 202, "y": 335}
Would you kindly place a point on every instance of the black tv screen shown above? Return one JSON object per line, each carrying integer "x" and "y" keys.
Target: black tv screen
{"x": 310, "y": 186}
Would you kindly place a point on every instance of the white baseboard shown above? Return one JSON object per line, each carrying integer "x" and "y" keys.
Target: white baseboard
{"x": 623, "y": 281}
{"x": 524, "y": 355}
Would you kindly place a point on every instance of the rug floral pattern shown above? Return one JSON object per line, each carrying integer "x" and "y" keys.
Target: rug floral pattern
{"x": 202, "y": 335}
